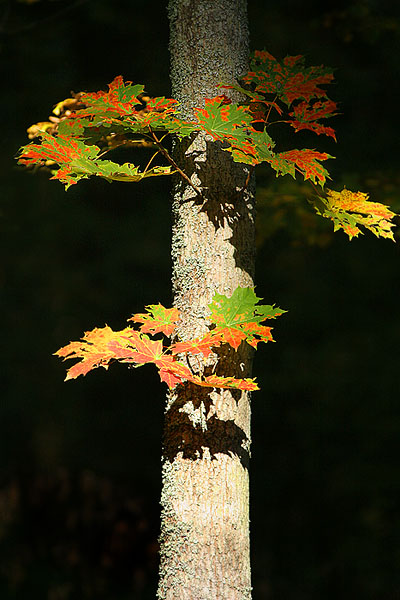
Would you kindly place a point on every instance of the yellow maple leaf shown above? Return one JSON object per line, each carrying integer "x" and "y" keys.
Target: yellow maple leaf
{"x": 350, "y": 210}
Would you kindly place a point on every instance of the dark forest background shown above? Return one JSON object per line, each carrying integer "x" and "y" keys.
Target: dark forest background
{"x": 80, "y": 461}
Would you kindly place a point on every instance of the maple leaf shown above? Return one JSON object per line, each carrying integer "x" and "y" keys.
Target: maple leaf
{"x": 142, "y": 350}
{"x": 120, "y": 100}
{"x": 157, "y": 319}
{"x": 173, "y": 372}
{"x": 234, "y": 320}
{"x": 74, "y": 157}
{"x": 100, "y": 346}
{"x": 232, "y": 124}
{"x": 289, "y": 79}
{"x": 306, "y": 116}
{"x": 75, "y": 127}
{"x": 80, "y": 161}
{"x": 202, "y": 345}
{"x": 238, "y": 318}
{"x": 55, "y": 149}
{"x": 121, "y": 108}
{"x": 93, "y": 350}
{"x": 254, "y": 149}
{"x": 262, "y": 332}
{"x": 216, "y": 381}
{"x": 222, "y": 119}
{"x": 350, "y": 210}
{"x": 161, "y": 114}
{"x": 304, "y": 161}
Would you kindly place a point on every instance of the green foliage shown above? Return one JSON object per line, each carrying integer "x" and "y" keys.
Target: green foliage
{"x": 238, "y": 317}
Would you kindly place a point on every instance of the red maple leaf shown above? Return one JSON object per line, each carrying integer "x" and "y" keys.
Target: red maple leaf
{"x": 217, "y": 381}
{"x": 305, "y": 161}
{"x": 173, "y": 372}
{"x": 289, "y": 80}
{"x": 121, "y": 99}
{"x": 262, "y": 332}
{"x": 306, "y": 116}
{"x": 202, "y": 345}
{"x": 232, "y": 335}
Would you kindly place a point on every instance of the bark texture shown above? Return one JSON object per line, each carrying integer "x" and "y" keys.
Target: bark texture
{"x": 204, "y": 542}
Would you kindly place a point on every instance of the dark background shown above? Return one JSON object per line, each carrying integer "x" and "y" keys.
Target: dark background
{"x": 79, "y": 462}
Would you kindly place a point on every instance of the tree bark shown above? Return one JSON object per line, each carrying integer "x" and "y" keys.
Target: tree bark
{"x": 204, "y": 541}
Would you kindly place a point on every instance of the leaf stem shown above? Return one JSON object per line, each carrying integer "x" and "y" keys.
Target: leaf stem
{"x": 270, "y": 108}
{"x": 150, "y": 161}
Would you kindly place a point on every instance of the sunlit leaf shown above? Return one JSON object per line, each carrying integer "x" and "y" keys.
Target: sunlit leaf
{"x": 238, "y": 318}
{"x": 121, "y": 99}
{"x": 233, "y": 320}
{"x": 306, "y": 162}
{"x": 351, "y": 210}
{"x": 157, "y": 319}
{"x": 216, "y": 381}
{"x": 221, "y": 119}
{"x": 79, "y": 161}
{"x": 93, "y": 350}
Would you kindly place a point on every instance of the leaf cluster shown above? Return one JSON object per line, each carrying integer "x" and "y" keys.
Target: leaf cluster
{"x": 232, "y": 321}
{"x": 126, "y": 115}
{"x": 84, "y": 128}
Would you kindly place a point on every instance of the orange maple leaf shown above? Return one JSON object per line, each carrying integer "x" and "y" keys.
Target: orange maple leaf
{"x": 217, "y": 381}
{"x": 202, "y": 345}
{"x": 94, "y": 350}
{"x": 158, "y": 319}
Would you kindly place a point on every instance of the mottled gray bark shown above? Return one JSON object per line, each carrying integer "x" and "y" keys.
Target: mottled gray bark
{"x": 205, "y": 498}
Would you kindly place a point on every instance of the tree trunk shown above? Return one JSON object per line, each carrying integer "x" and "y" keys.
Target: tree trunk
{"x": 205, "y": 496}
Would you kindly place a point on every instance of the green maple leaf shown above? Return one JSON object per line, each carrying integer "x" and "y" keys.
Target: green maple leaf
{"x": 239, "y": 318}
{"x": 254, "y": 149}
{"x": 232, "y": 124}
{"x": 120, "y": 110}
{"x": 223, "y": 120}
{"x": 78, "y": 160}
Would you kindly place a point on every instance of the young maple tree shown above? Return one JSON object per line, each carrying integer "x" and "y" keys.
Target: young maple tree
{"x": 202, "y": 347}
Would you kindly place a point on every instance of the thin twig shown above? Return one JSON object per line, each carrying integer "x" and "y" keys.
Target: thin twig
{"x": 169, "y": 158}
{"x": 270, "y": 108}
